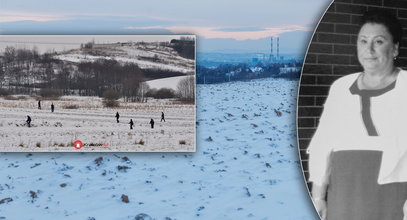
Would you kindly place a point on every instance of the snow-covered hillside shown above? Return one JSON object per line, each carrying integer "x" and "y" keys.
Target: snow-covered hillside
{"x": 246, "y": 167}
{"x": 146, "y": 56}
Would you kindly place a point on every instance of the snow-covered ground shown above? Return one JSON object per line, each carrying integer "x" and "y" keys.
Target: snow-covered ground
{"x": 94, "y": 125}
{"x": 246, "y": 167}
{"x": 169, "y": 82}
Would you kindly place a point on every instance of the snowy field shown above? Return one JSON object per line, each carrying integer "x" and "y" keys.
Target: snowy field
{"x": 95, "y": 126}
{"x": 169, "y": 82}
{"x": 246, "y": 167}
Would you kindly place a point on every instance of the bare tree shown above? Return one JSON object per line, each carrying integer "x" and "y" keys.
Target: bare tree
{"x": 143, "y": 89}
{"x": 186, "y": 89}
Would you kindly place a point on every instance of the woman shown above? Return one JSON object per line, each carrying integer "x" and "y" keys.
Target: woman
{"x": 358, "y": 155}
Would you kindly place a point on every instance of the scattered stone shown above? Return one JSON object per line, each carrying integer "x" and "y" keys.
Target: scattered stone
{"x": 6, "y": 200}
{"x": 247, "y": 191}
{"x": 33, "y": 196}
{"x": 98, "y": 161}
{"x": 125, "y": 198}
{"x": 122, "y": 168}
{"x": 125, "y": 158}
{"x": 35, "y": 165}
{"x": 143, "y": 216}
{"x": 278, "y": 113}
{"x": 62, "y": 185}
{"x": 209, "y": 139}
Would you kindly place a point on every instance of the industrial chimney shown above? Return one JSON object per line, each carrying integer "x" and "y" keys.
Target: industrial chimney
{"x": 278, "y": 48}
{"x": 271, "y": 51}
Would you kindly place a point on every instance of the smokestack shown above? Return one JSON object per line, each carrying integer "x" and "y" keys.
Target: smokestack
{"x": 278, "y": 47}
{"x": 271, "y": 51}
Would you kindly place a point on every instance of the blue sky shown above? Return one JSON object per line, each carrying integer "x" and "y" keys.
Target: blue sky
{"x": 209, "y": 19}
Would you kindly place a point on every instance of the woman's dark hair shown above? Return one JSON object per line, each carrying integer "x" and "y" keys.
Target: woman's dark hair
{"x": 386, "y": 18}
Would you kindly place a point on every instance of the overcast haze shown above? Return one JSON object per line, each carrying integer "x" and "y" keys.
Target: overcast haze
{"x": 211, "y": 19}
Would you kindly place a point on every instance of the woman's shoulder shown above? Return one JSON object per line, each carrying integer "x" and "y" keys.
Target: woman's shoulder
{"x": 402, "y": 79}
{"x": 403, "y": 74}
{"x": 346, "y": 81}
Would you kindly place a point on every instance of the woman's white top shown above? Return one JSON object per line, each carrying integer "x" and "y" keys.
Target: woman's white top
{"x": 341, "y": 127}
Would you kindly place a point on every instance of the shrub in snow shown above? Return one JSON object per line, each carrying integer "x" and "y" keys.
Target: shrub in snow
{"x": 164, "y": 93}
{"x": 10, "y": 97}
{"x": 110, "y": 98}
{"x": 141, "y": 142}
{"x": 4, "y": 92}
{"x": 70, "y": 107}
{"x": 50, "y": 93}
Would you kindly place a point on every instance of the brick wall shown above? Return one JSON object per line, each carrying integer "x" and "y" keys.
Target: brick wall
{"x": 332, "y": 54}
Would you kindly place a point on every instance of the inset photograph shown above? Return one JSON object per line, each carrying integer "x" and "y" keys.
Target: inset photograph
{"x": 351, "y": 112}
{"x": 80, "y": 93}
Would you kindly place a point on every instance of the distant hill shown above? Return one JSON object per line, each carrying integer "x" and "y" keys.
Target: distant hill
{"x": 158, "y": 56}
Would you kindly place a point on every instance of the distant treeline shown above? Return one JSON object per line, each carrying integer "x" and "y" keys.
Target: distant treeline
{"x": 235, "y": 72}
{"x": 185, "y": 47}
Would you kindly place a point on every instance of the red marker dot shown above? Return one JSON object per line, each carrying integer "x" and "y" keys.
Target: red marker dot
{"x": 77, "y": 144}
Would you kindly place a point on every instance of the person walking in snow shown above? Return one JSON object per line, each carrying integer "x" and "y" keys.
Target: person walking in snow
{"x": 117, "y": 117}
{"x": 39, "y": 104}
{"x": 28, "y": 121}
{"x": 162, "y": 117}
{"x": 52, "y": 107}
{"x": 131, "y": 124}
{"x": 152, "y": 123}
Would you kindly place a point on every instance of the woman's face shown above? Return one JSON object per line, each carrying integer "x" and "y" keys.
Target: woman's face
{"x": 376, "y": 49}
